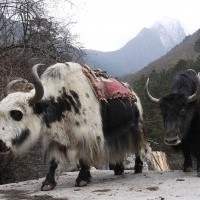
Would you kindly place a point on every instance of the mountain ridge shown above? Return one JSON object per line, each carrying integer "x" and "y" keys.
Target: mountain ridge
{"x": 146, "y": 47}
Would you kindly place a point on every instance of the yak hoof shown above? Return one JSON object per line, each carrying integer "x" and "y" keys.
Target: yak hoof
{"x": 118, "y": 168}
{"x": 119, "y": 172}
{"x": 83, "y": 179}
{"x": 198, "y": 173}
{"x": 138, "y": 171}
{"x": 138, "y": 165}
{"x": 187, "y": 169}
{"x": 81, "y": 183}
{"x": 138, "y": 168}
{"x": 46, "y": 186}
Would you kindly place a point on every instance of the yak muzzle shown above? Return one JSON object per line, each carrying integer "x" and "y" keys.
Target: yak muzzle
{"x": 3, "y": 147}
{"x": 172, "y": 140}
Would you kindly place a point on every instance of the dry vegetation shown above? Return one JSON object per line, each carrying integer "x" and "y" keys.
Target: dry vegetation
{"x": 27, "y": 37}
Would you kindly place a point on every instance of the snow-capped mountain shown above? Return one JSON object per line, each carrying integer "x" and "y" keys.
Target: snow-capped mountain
{"x": 169, "y": 31}
{"x": 149, "y": 45}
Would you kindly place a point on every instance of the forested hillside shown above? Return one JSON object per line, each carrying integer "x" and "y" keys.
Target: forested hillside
{"x": 29, "y": 36}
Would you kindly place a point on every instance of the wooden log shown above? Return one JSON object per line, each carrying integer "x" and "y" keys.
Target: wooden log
{"x": 159, "y": 161}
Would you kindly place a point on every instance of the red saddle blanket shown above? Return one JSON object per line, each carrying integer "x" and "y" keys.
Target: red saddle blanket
{"x": 106, "y": 87}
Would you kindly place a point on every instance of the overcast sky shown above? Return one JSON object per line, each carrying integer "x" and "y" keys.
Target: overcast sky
{"x": 109, "y": 24}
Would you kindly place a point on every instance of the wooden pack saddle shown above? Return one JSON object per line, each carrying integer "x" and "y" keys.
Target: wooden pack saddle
{"x": 106, "y": 87}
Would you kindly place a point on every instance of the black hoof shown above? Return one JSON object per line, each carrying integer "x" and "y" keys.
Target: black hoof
{"x": 118, "y": 168}
{"x": 138, "y": 171}
{"x": 46, "y": 186}
{"x": 81, "y": 183}
{"x": 119, "y": 172}
{"x": 138, "y": 168}
{"x": 187, "y": 169}
{"x": 198, "y": 173}
{"x": 83, "y": 179}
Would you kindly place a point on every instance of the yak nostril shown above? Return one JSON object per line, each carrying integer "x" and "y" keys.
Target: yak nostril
{"x": 172, "y": 141}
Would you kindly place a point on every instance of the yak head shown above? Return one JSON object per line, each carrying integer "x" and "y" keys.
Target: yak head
{"x": 177, "y": 111}
{"x": 19, "y": 126}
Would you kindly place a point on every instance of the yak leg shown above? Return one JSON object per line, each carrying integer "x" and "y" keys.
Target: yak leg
{"x": 118, "y": 168}
{"x": 187, "y": 166}
{"x": 50, "y": 181}
{"x": 138, "y": 163}
{"x": 197, "y": 155}
{"x": 198, "y": 164}
{"x": 84, "y": 176}
{"x": 55, "y": 155}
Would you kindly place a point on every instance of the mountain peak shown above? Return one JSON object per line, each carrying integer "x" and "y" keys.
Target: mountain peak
{"x": 170, "y": 32}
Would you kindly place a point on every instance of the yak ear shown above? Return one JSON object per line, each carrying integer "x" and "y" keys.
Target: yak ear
{"x": 40, "y": 107}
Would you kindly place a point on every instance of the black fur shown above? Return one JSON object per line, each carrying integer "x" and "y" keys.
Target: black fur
{"x": 50, "y": 182}
{"x": 185, "y": 83}
{"x": 18, "y": 140}
{"x": 52, "y": 109}
{"x": 84, "y": 176}
{"x": 120, "y": 123}
{"x": 183, "y": 118}
{"x": 120, "y": 127}
{"x": 118, "y": 168}
{"x": 138, "y": 165}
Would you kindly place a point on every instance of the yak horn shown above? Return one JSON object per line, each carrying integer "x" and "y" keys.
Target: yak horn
{"x": 195, "y": 96}
{"x": 151, "y": 98}
{"x": 192, "y": 71}
{"x": 39, "y": 90}
{"x": 12, "y": 83}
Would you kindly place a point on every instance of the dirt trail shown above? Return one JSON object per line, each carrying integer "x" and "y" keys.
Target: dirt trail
{"x": 150, "y": 185}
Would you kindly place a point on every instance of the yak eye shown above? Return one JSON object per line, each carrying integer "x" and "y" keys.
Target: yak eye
{"x": 16, "y": 115}
{"x": 182, "y": 112}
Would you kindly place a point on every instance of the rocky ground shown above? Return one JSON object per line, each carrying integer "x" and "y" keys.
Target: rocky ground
{"x": 150, "y": 185}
